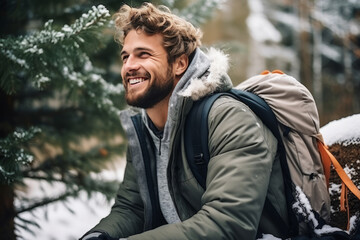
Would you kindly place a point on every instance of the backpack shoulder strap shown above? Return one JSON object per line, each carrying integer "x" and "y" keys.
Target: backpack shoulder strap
{"x": 196, "y": 128}
{"x": 196, "y": 137}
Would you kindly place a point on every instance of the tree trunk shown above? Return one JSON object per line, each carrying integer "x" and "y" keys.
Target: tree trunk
{"x": 305, "y": 46}
{"x": 317, "y": 67}
{"x": 7, "y": 209}
{"x": 7, "y": 213}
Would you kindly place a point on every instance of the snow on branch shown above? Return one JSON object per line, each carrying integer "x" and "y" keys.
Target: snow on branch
{"x": 94, "y": 86}
{"x": 59, "y": 59}
{"x": 96, "y": 17}
{"x": 13, "y": 154}
{"x": 34, "y": 53}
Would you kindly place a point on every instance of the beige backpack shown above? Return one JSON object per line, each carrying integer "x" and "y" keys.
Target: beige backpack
{"x": 308, "y": 158}
{"x": 296, "y": 112}
{"x": 288, "y": 109}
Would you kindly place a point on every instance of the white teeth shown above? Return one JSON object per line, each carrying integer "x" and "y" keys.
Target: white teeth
{"x": 136, "y": 80}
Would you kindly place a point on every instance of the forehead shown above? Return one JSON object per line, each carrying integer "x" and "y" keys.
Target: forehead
{"x": 139, "y": 39}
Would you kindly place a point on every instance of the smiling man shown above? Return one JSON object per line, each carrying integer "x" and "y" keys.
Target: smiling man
{"x": 148, "y": 77}
{"x": 164, "y": 72}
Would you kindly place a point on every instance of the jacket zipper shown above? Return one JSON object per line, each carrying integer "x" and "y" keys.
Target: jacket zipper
{"x": 160, "y": 137}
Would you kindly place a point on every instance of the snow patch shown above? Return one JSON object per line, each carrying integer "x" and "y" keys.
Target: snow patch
{"x": 334, "y": 189}
{"x": 303, "y": 207}
{"x": 350, "y": 171}
{"x": 345, "y": 131}
{"x": 268, "y": 237}
{"x": 327, "y": 229}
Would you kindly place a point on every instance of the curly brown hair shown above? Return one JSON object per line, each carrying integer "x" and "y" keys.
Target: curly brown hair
{"x": 180, "y": 36}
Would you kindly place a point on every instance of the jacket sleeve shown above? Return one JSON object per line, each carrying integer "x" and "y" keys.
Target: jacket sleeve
{"x": 242, "y": 154}
{"x": 126, "y": 215}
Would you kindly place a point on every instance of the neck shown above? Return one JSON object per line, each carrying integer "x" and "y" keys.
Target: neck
{"x": 158, "y": 113}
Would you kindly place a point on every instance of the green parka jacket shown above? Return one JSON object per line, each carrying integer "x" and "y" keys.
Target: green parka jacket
{"x": 242, "y": 171}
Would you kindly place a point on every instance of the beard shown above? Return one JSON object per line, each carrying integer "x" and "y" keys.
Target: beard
{"x": 159, "y": 88}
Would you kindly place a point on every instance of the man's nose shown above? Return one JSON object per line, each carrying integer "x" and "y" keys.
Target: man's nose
{"x": 131, "y": 64}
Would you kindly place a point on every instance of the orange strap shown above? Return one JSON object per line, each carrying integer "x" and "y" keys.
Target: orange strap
{"x": 344, "y": 203}
{"x": 326, "y": 161}
{"x": 327, "y": 157}
{"x": 325, "y": 153}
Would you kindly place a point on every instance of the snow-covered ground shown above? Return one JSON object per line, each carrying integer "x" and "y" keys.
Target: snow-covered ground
{"x": 58, "y": 223}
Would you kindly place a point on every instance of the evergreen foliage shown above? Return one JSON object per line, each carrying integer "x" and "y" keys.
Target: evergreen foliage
{"x": 14, "y": 156}
{"x": 55, "y": 98}
{"x": 52, "y": 65}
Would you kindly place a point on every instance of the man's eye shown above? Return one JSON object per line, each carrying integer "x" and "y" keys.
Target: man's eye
{"x": 144, "y": 54}
{"x": 123, "y": 58}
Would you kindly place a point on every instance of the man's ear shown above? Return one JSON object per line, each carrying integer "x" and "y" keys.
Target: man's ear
{"x": 181, "y": 64}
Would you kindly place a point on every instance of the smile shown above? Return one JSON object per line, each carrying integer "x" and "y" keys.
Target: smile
{"x": 134, "y": 81}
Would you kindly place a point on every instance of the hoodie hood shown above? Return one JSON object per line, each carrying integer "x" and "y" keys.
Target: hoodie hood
{"x": 207, "y": 74}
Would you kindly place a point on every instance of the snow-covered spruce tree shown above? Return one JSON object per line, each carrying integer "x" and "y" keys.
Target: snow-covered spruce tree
{"x": 55, "y": 96}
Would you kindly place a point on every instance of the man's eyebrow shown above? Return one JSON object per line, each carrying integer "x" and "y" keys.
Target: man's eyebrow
{"x": 137, "y": 50}
{"x": 122, "y": 52}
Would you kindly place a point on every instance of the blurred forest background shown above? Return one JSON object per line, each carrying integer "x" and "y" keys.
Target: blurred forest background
{"x": 60, "y": 91}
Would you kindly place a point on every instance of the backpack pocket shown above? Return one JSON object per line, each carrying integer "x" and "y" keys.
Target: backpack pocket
{"x": 306, "y": 170}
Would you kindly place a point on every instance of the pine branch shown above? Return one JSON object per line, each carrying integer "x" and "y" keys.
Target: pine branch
{"x": 76, "y": 170}
{"x": 91, "y": 161}
{"x": 59, "y": 60}
{"x": 38, "y": 48}
{"x": 54, "y": 84}
{"x": 46, "y": 201}
{"x": 73, "y": 185}
{"x": 13, "y": 155}
{"x": 96, "y": 17}
{"x": 24, "y": 225}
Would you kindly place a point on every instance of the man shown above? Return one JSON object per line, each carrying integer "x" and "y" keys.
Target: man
{"x": 163, "y": 72}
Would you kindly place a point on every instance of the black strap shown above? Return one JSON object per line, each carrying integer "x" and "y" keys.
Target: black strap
{"x": 196, "y": 138}
{"x": 197, "y": 149}
{"x": 157, "y": 217}
{"x": 196, "y": 128}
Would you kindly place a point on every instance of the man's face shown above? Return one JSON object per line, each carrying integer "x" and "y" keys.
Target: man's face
{"x": 147, "y": 76}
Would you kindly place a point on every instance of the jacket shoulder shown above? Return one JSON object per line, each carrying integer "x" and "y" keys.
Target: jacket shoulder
{"x": 228, "y": 115}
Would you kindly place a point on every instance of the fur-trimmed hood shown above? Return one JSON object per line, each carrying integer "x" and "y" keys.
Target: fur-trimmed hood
{"x": 206, "y": 74}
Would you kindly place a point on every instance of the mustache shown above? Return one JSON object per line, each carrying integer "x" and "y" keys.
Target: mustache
{"x": 137, "y": 74}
